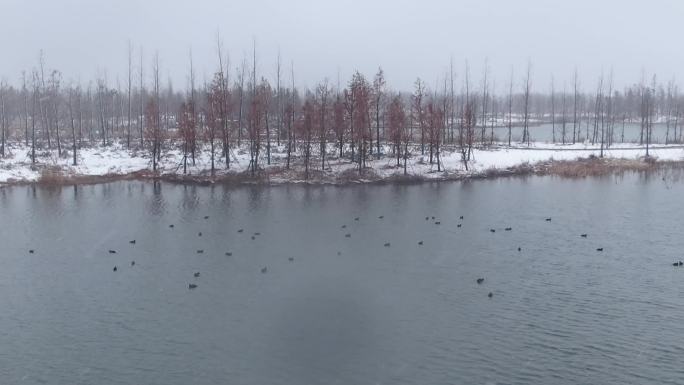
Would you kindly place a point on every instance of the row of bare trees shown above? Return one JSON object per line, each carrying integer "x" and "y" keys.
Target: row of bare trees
{"x": 360, "y": 121}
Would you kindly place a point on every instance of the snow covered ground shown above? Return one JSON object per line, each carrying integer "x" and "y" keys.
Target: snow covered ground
{"x": 114, "y": 160}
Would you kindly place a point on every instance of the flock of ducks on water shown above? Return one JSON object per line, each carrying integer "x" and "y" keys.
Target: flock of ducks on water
{"x": 264, "y": 269}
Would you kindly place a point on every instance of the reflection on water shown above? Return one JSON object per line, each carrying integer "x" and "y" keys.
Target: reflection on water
{"x": 344, "y": 310}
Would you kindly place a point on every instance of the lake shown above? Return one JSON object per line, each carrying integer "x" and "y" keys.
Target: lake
{"x": 345, "y": 309}
{"x": 544, "y": 133}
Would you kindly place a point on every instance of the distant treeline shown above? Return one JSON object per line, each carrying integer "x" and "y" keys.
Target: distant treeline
{"x": 237, "y": 107}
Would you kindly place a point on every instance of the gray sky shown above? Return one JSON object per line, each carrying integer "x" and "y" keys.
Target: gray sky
{"x": 82, "y": 38}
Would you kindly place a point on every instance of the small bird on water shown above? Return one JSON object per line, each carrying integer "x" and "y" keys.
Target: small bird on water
{"x": 132, "y": 242}
{"x": 197, "y": 274}
{"x": 548, "y": 219}
{"x": 112, "y": 251}
{"x": 387, "y": 244}
{"x": 132, "y": 263}
{"x": 490, "y": 295}
{"x": 480, "y": 280}
{"x": 264, "y": 270}
{"x": 583, "y": 235}
{"x": 114, "y": 269}
{"x": 192, "y": 286}
{"x": 599, "y": 249}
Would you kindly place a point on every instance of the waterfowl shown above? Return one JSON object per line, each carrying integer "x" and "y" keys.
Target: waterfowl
{"x": 433, "y": 217}
{"x": 290, "y": 259}
{"x": 458, "y": 225}
{"x": 257, "y": 233}
{"x": 132, "y": 242}
{"x": 199, "y": 234}
{"x": 171, "y": 226}
{"x": 548, "y": 219}
{"x": 241, "y": 230}
{"x": 680, "y": 263}
{"x": 356, "y": 219}
{"x": 583, "y": 235}
{"x": 112, "y": 251}
{"x": 519, "y": 249}
{"x": 492, "y": 230}
{"x": 347, "y": 235}
{"x": 31, "y": 251}
{"x": 427, "y": 218}
{"x": 387, "y": 244}
{"x": 344, "y": 226}
{"x": 490, "y": 295}
{"x": 480, "y": 280}
{"x": 420, "y": 242}
{"x": 381, "y": 216}
{"x": 438, "y": 223}
{"x": 206, "y": 217}
{"x": 508, "y": 229}
{"x": 197, "y": 274}
{"x": 114, "y": 269}
{"x": 253, "y": 238}
{"x": 229, "y": 254}
{"x": 599, "y": 249}
{"x": 264, "y": 270}
{"x": 461, "y": 217}
{"x": 132, "y": 263}
{"x": 192, "y": 286}
{"x": 200, "y": 251}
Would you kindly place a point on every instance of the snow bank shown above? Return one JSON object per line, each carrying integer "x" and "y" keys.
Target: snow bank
{"x": 115, "y": 160}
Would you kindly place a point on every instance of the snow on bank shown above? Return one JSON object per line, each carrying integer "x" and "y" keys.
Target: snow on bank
{"x": 115, "y": 160}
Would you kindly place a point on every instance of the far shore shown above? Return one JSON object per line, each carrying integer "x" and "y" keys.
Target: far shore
{"x": 113, "y": 163}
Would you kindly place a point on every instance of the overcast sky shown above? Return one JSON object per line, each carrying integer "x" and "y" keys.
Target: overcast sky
{"x": 408, "y": 39}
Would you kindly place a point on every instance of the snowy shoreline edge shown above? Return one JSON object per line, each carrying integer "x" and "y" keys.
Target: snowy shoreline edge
{"x": 113, "y": 163}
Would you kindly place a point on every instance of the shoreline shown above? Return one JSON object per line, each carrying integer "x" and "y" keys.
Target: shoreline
{"x": 578, "y": 168}
{"x": 113, "y": 163}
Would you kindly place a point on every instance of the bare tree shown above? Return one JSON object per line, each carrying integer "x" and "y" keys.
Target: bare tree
{"x": 3, "y": 119}
{"x": 322, "y": 93}
{"x": 574, "y": 109}
{"x": 417, "y": 111}
{"x": 378, "y": 96}
{"x": 73, "y": 125}
{"x": 526, "y": 105}
{"x": 130, "y": 99}
{"x": 510, "y": 108}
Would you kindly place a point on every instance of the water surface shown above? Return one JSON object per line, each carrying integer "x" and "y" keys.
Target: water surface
{"x": 346, "y": 310}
